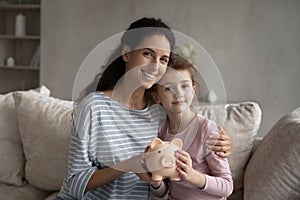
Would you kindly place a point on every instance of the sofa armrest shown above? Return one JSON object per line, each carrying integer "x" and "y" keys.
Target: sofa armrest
{"x": 256, "y": 142}
{"x": 273, "y": 170}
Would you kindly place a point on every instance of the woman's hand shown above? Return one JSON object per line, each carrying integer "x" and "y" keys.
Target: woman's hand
{"x": 220, "y": 144}
{"x": 146, "y": 176}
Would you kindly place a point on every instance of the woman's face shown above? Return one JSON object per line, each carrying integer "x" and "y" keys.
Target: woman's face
{"x": 148, "y": 62}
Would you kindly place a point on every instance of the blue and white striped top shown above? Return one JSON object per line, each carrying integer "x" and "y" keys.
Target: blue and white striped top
{"x": 104, "y": 133}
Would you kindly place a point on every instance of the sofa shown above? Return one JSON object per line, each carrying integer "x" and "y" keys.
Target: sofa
{"x": 35, "y": 135}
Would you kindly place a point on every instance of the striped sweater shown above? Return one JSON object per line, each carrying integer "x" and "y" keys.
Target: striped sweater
{"x": 104, "y": 133}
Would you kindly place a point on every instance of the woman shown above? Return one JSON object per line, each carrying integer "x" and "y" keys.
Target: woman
{"x": 114, "y": 124}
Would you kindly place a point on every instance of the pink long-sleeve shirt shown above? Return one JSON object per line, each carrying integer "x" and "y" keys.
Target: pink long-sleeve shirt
{"x": 219, "y": 183}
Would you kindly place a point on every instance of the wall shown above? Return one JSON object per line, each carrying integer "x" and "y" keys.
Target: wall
{"x": 255, "y": 43}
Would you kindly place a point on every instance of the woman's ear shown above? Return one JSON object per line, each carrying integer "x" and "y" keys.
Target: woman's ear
{"x": 125, "y": 52}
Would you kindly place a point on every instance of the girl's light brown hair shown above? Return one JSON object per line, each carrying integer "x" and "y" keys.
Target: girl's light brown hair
{"x": 179, "y": 63}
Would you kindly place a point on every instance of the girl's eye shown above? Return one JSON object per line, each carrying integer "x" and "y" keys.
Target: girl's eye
{"x": 184, "y": 86}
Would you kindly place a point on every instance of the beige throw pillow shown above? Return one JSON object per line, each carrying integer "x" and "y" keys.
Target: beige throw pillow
{"x": 45, "y": 128}
{"x": 11, "y": 151}
{"x": 241, "y": 123}
{"x": 273, "y": 171}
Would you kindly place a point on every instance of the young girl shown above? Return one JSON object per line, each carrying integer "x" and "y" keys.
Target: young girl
{"x": 204, "y": 175}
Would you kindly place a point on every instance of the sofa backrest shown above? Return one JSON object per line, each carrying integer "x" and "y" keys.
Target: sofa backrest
{"x": 241, "y": 122}
{"x": 45, "y": 126}
{"x": 11, "y": 152}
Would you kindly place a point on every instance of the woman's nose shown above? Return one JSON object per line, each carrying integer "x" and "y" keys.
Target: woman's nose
{"x": 155, "y": 64}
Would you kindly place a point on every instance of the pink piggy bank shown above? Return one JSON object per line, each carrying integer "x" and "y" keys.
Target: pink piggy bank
{"x": 161, "y": 161}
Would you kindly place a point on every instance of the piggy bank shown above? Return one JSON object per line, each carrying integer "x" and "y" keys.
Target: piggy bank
{"x": 161, "y": 161}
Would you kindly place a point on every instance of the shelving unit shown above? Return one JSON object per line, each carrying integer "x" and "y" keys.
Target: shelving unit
{"x": 22, "y": 76}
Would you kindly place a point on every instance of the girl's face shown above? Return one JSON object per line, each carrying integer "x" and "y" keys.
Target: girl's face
{"x": 147, "y": 63}
{"x": 175, "y": 91}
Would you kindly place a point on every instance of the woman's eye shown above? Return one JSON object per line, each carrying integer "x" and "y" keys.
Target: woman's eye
{"x": 164, "y": 60}
{"x": 148, "y": 54}
{"x": 168, "y": 88}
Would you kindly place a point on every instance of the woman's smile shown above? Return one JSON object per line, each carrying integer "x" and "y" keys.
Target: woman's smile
{"x": 149, "y": 76}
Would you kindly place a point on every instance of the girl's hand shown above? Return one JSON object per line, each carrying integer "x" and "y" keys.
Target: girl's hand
{"x": 220, "y": 144}
{"x": 186, "y": 170}
{"x": 184, "y": 165}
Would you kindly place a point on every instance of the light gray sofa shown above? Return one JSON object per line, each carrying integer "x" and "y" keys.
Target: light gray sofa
{"x": 35, "y": 136}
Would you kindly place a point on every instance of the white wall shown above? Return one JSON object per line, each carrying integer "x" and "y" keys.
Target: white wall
{"x": 255, "y": 43}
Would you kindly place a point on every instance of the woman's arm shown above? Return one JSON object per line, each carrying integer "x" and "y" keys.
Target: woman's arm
{"x": 102, "y": 177}
{"x": 84, "y": 176}
{"x": 84, "y": 171}
{"x": 106, "y": 175}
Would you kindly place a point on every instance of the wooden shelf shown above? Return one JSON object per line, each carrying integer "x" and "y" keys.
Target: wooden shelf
{"x": 20, "y": 67}
{"x": 26, "y": 37}
{"x": 21, "y": 48}
{"x": 20, "y": 6}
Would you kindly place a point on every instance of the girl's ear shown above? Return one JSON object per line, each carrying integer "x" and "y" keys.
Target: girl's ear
{"x": 155, "y": 97}
{"x": 125, "y": 52}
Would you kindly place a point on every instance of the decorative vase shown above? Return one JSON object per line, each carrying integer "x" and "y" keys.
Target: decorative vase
{"x": 20, "y": 26}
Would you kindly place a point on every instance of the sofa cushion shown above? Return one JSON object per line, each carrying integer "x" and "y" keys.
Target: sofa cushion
{"x": 273, "y": 170}
{"x": 52, "y": 196}
{"x": 45, "y": 127}
{"x": 25, "y": 192}
{"x": 241, "y": 122}
{"x": 11, "y": 152}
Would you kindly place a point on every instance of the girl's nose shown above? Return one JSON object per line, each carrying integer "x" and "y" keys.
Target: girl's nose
{"x": 178, "y": 92}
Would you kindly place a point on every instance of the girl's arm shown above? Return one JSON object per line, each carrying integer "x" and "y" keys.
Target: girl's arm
{"x": 220, "y": 184}
{"x": 159, "y": 188}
